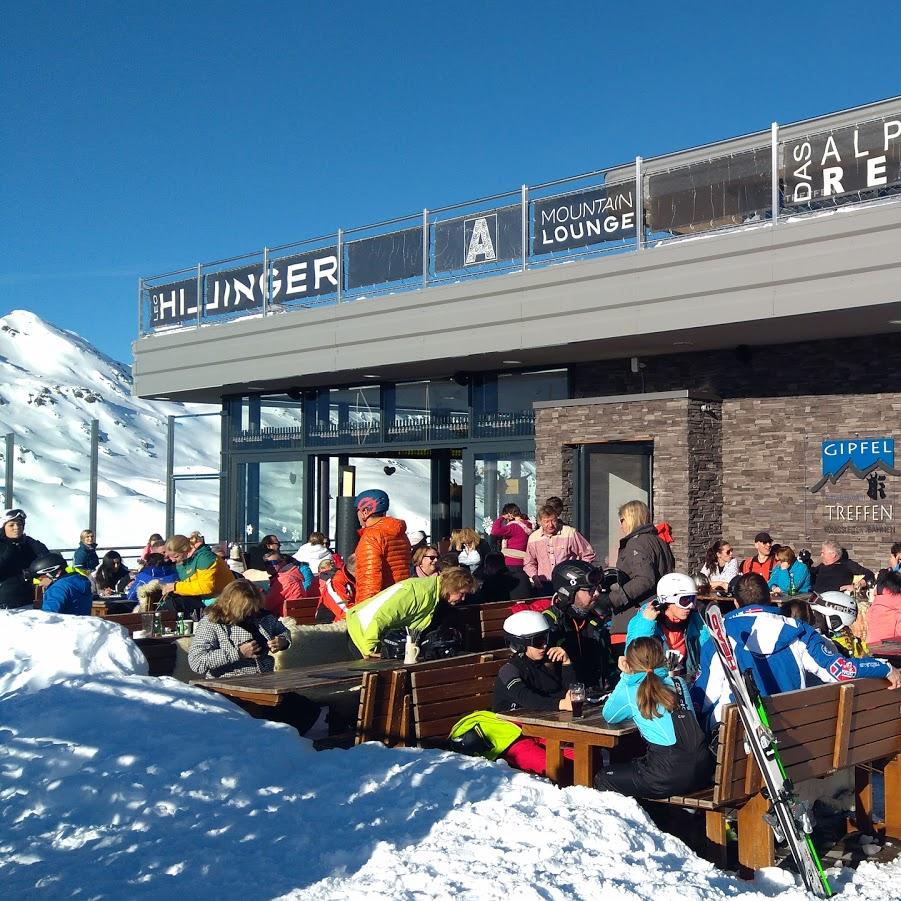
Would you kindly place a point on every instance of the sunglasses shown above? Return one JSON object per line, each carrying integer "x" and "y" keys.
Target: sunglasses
{"x": 429, "y": 558}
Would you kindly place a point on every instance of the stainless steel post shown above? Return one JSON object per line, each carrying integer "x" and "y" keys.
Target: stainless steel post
{"x": 265, "y": 290}
{"x": 339, "y": 250}
{"x": 425, "y": 248}
{"x": 10, "y": 459}
{"x": 170, "y": 473}
{"x": 774, "y": 169}
{"x": 525, "y": 227}
{"x": 639, "y": 207}
{"x": 199, "y": 292}
{"x": 140, "y": 307}
{"x": 92, "y": 491}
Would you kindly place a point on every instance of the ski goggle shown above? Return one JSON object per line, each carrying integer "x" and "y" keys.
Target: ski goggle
{"x": 539, "y": 640}
{"x": 686, "y": 601}
{"x": 14, "y": 515}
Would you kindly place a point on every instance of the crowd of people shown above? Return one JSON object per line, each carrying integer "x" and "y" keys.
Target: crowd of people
{"x": 796, "y": 623}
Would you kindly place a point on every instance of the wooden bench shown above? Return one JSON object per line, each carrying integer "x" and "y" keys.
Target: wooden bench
{"x": 491, "y": 624}
{"x": 386, "y": 700}
{"x": 818, "y": 731}
{"x": 442, "y": 695}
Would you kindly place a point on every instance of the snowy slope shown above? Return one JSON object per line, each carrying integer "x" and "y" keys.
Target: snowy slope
{"x": 126, "y": 786}
{"x": 52, "y": 384}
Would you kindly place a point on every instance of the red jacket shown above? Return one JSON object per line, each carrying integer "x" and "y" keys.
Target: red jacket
{"x": 287, "y": 585}
{"x": 337, "y": 594}
{"x": 383, "y": 556}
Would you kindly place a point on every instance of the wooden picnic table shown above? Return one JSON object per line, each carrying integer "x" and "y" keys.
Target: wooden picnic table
{"x": 558, "y": 728}
{"x": 268, "y": 689}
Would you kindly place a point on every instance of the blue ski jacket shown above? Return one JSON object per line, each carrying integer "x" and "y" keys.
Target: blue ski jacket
{"x": 70, "y": 593}
{"x": 623, "y": 704}
{"x": 778, "y": 651}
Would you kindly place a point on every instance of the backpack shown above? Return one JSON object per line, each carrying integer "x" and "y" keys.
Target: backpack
{"x": 484, "y": 734}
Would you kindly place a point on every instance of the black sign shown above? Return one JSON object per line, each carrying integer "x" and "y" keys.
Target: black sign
{"x": 291, "y": 278}
{"x": 489, "y": 237}
{"x": 717, "y": 193}
{"x": 583, "y": 218}
{"x": 174, "y": 302}
{"x": 854, "y": 159}
{"x": 384, "y": 258}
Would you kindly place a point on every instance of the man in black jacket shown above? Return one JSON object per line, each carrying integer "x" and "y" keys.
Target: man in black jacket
{"x": 17, "y": 552}
{"x": 576, "y": 625}
{"x": 836, "y": 572}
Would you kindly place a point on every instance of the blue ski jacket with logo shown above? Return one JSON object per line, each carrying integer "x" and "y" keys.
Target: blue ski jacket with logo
{"x": 778, "y": 651}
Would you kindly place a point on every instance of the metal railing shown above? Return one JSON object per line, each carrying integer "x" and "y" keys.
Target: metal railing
{"x": 760, "y": 179}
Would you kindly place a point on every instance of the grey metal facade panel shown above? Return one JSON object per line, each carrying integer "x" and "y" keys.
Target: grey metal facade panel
{"x": 833, "y": 262}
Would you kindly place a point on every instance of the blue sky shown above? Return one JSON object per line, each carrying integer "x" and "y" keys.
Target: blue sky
{"x": 136, "y": 138}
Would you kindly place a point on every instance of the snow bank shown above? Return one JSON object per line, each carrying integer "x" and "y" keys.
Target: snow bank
{"x": 38, "y": 649}
{"x": 115, "y": 785}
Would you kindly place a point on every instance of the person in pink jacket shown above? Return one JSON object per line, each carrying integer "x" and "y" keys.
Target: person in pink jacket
{"x": 514, "y": 528}
{"x": 551, "y": 544}
{"x": 884, "y": 615}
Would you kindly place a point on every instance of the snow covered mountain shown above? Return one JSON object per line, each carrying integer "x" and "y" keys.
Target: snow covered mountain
{"x": 52, "y": 384}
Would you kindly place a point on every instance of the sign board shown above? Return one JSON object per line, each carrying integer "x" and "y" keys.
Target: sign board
{"x": 583, "y": 218}
{"x": 492, "y": 236}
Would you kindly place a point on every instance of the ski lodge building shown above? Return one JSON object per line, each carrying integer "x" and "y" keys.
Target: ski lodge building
{"x": 717, "y": 331}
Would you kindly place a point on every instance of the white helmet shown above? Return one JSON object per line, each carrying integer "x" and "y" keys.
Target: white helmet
{"x": 520, "y": 628}
{"x": 839, "y": 609}
{"x": 674, "y": 588}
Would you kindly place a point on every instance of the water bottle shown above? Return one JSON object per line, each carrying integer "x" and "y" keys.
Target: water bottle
{"x": 791, "y": 583}
{"x": 180, "y": 624}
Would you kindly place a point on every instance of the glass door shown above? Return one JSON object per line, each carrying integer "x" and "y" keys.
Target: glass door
{"x": 270, "y": 501}
{"x": 499, "y": 477}
{"x": 609, "y": 476}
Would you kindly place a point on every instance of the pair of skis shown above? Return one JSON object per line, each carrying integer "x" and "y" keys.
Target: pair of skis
{"x": 787, "y": 818}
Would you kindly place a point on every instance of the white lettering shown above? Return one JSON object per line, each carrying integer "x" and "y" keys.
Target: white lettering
{"x": 832, "y": 181}
{"x": 891, "y": 130}
{"x": 480, "y": 243}
{"x": 325, "y": 268}
{"x": 212, "y": 305}
{"x": 830, "y": 150}
{"x": 802, "y": 152}
{"x": 296, "y": 279}
{"x": 876, "y": 171}
{"x": 857, "y": 153}
{"x": 242, "y": 290}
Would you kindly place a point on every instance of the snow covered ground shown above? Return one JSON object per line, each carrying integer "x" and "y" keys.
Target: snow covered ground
{"x": 117, "y": 785}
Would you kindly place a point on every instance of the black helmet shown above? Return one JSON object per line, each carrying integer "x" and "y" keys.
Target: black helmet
{"x": 571, "y": 576}
{"x": 702, "y": 583}
{"x": 440, "y": 643}
{"x": 472, "y": 742}
{"x": 48, "y": 565}
{"x": 393, "y": 644}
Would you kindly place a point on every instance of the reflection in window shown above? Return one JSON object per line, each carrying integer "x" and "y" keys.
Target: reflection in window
{"x": 503, "y": 479}
{"x": 345, "y": 416}
{"x": 503, "y": 405}
{"x": 435, "y": 409}
{"x": 273, "y": 501}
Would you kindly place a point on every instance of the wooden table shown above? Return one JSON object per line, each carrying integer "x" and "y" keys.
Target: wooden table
{"x": 268, "y": 689}
{"x": 160, "y": 653}
{"x": 559, "y": 728}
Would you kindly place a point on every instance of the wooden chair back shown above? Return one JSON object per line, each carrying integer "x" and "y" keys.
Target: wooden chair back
{"x": 303, "y": 610}
{"x": 385, "y": 710}
{"x": 443, "y": 694}
{"x": 491, "y": 624}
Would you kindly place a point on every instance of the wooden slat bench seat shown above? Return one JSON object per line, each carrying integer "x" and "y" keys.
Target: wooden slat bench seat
{"x": 818, "y": 731}
{"x": 302, "y": 611}
{"x": 491, "y": 624}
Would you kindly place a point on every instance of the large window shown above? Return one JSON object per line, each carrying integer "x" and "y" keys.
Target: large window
{"x": 503, "y": 478}
{"x": 345, "y": 416}
{"x": 503, "y": 403}
{"x": 271, "y": 501}
{"x": 422, "y": 411}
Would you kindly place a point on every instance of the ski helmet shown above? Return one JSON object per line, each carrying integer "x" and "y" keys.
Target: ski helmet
{"x": 393, "y": 644}
{"x": 702, "y": 583}
{"x": 572, "y": 576}
{"x": 440, "y": 643}
{"x": 522, "y": 628}
{"x": 48, "y": 565}
{"x": 839, "y": 609}
{"x": 677, "y": 588}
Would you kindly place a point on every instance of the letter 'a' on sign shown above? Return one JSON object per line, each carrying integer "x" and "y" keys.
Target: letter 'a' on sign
{"x": 480, "y": 239}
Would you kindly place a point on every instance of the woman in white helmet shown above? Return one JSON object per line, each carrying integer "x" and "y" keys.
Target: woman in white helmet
{"x": 671, "y": 617}
{"x": 536, "y": 677}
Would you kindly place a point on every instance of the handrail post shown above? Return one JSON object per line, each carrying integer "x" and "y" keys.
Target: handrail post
{"x": 92, "y": 491}
{"x": 141, "y": 307}
{"x": 639, "y": 206}
{"x": 774, "y": 169}
{"x": 199, "y": 292}
{"x": 339, "y": 251}
{"x": 425, "y": 248}
{"x": 170, "y": 472}
{"x": 525, "y": 227}
{"x": 265, "y": 290}
{"x": 9, "y": 469}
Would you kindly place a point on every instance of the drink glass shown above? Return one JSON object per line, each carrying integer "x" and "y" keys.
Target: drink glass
{"x": 147, "y": 624}
{"x": 577, "y": 697}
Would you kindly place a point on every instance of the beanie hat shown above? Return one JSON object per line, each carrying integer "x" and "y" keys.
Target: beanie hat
{"x": 16, "y": 515}
{"x": 371, "y": 502}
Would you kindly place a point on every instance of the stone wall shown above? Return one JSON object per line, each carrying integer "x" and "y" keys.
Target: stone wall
{"x": 687, "y": 449}
{"x": 771, "y": 459}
